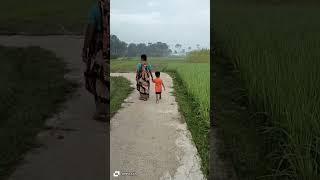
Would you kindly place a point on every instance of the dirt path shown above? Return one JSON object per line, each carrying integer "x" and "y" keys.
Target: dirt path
{"x": 81, "y": 154}
{"x": 152, "y": 140}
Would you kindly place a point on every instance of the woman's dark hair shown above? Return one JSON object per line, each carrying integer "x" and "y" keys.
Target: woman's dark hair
{"x": 157, "y": 74}
{"x": 144, "y": 57}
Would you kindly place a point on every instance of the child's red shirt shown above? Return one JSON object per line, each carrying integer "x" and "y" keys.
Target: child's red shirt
{"x": 158, "y": 84}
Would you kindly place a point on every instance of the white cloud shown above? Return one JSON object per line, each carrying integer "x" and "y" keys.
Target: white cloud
{"x": 153, "y": 3}
{"x": 119, "y": 17}
{"x": 170, "y": 21}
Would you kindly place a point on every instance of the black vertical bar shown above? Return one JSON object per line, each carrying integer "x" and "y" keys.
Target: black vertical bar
{"x": 108, "y": 122}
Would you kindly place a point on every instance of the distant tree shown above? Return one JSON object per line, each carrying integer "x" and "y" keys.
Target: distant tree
{"x": 178, "y": 46}
{"x": 121, "y": 49}
{"x": 198, "y": 46}
{"x": 117, "y": 48}
{"x": 189, "y": 48}
{"x": 132, "y": 50}
{"x": 175, "y": 51}
{"x": 141, "y": 48}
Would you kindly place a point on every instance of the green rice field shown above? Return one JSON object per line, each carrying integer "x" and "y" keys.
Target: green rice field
{"x": 44, "y": 17}
{"x": 275, "y": 46}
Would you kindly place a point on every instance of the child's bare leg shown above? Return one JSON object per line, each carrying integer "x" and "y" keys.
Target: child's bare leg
{"x": 157, "y": 98}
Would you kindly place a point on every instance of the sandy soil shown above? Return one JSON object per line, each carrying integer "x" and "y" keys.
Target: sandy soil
{"x": 151, "y": 140}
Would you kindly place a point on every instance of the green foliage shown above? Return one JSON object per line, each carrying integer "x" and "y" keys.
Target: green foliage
{"x": 243, "y": 142}
{"x": 120, "y": 89}
{"x": 118, "y": 48}
{"x": 44, "y": 17}
{"x": 192, "y": 112}
{"x": 276, "y": 49}
{"x": 122, "y": 49}
{"x": 195, "y": 80}
{"x": 129, "y": 65}
{"x": 199, "y": 56}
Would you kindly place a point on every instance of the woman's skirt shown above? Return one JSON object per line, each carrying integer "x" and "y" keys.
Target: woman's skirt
{"x": 143, "y": 87}
{"x": 97, "y": 83}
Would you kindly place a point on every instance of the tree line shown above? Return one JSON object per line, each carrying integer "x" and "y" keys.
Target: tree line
{"x": 120, "y": 48}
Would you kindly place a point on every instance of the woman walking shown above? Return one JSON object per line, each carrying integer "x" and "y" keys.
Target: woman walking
{"x": 143, "y": 75}
{"x": 95, "y": 54}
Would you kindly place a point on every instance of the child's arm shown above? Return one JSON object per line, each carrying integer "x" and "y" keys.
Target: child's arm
{"x": 164, "y": 88}
{"x": 150, "y": 71}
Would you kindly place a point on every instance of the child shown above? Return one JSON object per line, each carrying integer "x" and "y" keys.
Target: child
{"x": 158, "y": 86}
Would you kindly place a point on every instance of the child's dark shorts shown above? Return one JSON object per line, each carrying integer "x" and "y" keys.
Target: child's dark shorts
{"x": 158, "y": 92}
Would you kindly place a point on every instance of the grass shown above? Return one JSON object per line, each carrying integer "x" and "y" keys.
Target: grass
{"x": 199, "y": 127}
{"x": 242, "y": 133}
{"x": 44, "y": 17}
{"x": 130, "y": 65}
{"x": 275, "y": 48}
{"x": 199, "y": 56}
{"x": 32, "y": 88}
{"x": 192, "y": 86}
{"x": 120, "y": 89}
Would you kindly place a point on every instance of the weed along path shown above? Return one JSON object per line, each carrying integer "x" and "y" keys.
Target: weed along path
{"x": 75, "y": 148}
{"x": 151, "y": 140}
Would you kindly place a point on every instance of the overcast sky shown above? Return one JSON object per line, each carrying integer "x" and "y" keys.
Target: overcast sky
{"x": 171, "y": 21}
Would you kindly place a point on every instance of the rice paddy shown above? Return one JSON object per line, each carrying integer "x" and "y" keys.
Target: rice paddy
{"x": 275, "y": 48}
{"x": 44, "y": 17}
